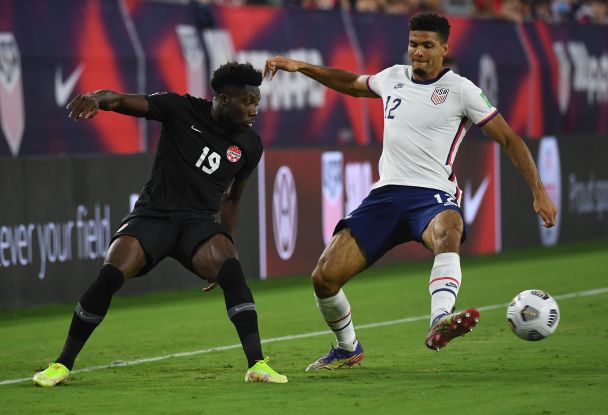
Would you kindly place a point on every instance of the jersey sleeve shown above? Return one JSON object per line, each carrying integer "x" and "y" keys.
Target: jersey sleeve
{"x": 476, "y": 106}
{"x": 164, "y": 106}
{"x": 252, "y": 160}
{"x": 374, "y": 82}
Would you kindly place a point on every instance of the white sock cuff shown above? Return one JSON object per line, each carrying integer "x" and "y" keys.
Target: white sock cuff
{"x": 331, "y": 301}
{"x": 447, "y": 258}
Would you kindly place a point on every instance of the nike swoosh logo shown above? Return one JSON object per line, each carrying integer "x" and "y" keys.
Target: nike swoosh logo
{"x": 196, "y": 129}
{"x": 472, "y": 203}
{"x": 63, "y": 89}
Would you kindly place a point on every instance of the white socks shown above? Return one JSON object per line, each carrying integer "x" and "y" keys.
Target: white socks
{"x": 336, "y": 312}
{"x": 444, "y": 283}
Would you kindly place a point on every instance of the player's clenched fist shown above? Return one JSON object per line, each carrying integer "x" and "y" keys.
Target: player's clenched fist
{"x": 275, "y": 63}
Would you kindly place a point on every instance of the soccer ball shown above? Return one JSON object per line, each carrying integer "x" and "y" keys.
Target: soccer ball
{"x": 533, "y": 315}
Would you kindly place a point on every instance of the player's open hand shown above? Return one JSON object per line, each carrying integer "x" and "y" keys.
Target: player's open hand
{"x": 83, "y": 106}
{"x": 546, "y": 209}
{"x": 272, "y": 66}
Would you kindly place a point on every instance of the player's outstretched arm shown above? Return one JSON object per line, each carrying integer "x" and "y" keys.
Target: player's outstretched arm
{"x": 518, "y": 152}
{"x": 338, "y": 79}
{"x": 87, "y": 105}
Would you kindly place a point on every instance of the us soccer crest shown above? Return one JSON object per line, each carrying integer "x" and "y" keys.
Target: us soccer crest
{"x": 439, "y": 95}
{"x": 233, "y": 154}
{"x": 12, "y": 112}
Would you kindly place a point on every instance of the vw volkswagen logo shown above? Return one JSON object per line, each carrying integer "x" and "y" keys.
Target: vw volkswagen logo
{"x": 285, "y": 212}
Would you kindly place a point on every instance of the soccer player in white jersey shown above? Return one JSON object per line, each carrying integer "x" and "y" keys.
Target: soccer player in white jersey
{"x": 427, "y": 111}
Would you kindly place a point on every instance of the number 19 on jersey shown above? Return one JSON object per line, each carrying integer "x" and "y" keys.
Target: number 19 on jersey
{"x": 213, "y": 160}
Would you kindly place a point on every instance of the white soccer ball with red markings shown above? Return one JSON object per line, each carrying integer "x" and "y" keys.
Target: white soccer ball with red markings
{"x": 533, "y": 315}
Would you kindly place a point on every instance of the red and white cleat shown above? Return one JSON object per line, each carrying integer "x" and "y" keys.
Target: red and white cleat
{"x": 450, "y": 326}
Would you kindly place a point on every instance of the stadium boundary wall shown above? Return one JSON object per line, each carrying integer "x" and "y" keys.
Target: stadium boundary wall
{"x": 58, "y": 213}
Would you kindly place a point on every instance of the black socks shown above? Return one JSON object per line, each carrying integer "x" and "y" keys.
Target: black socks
{"x": 241, "y": 308}
{"x": 89, "y": 312}
{"x": 95, "y": 302}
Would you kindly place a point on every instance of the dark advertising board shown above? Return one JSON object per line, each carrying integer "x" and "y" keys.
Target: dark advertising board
{"x": 57, "y": 216}
{"x": 575, "y": 174}
{"x": 306, "y": 192}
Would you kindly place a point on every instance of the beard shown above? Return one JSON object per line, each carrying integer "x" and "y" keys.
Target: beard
{"x": 419, "y": 72}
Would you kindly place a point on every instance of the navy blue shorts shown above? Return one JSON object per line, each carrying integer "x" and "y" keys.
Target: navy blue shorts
{"x": 392, "y": 215}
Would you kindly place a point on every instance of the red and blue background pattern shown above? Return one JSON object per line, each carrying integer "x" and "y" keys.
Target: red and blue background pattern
{"x": 55, "y": 38}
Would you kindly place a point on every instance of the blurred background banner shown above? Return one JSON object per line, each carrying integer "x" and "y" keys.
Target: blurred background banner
{"x": 297, "y": 110}
{"x": 575, "y": 176}
{"x": 65, "y": 186}
{"x": 58, "y": 213}
{"x": 59, "y": 49}
{"x": 308, "y": 191}
{"x": 545, "y": 79}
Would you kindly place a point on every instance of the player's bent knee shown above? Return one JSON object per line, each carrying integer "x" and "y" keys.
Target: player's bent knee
{"x": 325, "y": 281}
{"x": 448, "y": 240}
{"x": 230, "y": 274}
{"x": 448, "y": 234}
{"x": 127, "y": 255}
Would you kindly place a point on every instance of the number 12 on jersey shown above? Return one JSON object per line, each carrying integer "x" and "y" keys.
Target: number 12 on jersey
{"x": 213, "y": 161}
{"x": 388, "y": 113}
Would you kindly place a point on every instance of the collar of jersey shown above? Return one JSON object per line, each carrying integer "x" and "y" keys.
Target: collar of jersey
{"x": 430, "y": 81}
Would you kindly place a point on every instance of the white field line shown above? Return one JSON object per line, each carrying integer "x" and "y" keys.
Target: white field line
{"x": 566, "y": 296}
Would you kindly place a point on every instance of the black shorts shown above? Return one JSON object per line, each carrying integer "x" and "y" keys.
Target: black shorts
{"x": 174, "y": 234}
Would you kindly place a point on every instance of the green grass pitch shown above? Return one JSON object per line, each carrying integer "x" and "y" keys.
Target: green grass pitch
{"x": 171, "y": 346}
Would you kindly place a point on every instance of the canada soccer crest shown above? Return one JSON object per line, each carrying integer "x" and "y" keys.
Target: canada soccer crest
{"x": 439, "y": 95}
{"x": 233, "y": 154}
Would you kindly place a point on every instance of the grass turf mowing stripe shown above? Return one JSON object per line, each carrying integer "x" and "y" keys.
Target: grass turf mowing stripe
{"x": 566, "y": 296}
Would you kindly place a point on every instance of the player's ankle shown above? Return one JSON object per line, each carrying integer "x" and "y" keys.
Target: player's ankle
{"x": 349, "y": 346}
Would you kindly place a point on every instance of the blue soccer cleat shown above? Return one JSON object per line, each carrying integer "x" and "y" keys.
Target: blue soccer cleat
{"x": 338, "y": 358}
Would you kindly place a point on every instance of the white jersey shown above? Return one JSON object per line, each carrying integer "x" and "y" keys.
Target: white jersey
{"x": 424, "y": 124}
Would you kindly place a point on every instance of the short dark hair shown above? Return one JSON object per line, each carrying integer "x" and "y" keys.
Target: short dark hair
{"x": 235, "y": 74}
{"x": 431, "y": 22}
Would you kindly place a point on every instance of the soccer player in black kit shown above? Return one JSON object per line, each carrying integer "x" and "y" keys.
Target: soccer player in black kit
{"x": 206, "y": 153}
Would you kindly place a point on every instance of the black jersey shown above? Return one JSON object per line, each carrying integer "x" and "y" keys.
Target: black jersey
{"x": 196, "y": 158}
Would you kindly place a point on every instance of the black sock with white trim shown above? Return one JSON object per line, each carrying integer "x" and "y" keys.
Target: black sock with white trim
{"x": 90, "y": 312}
{"x": 241, "y": 308}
